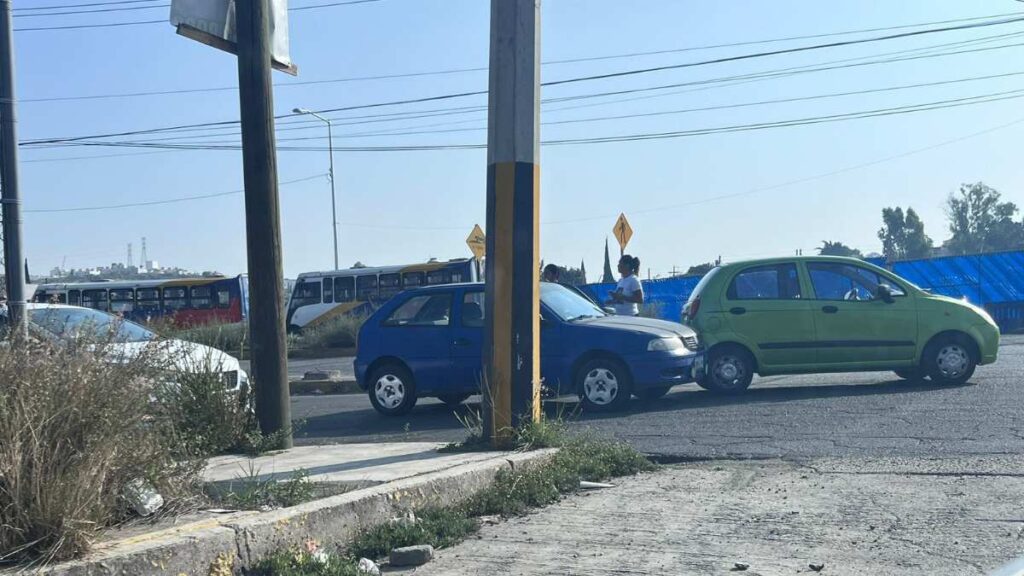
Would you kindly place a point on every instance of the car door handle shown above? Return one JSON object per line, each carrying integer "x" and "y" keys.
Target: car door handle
{"x": 737, "y": 311}
{"x": 461, "y": 342}
{"x": 829, "y": 309}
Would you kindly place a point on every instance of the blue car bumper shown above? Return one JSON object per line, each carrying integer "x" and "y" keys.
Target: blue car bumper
{"x": 653, "y": 369}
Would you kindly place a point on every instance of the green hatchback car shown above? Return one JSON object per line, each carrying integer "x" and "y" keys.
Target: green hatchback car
{"x": 829, "y": 314}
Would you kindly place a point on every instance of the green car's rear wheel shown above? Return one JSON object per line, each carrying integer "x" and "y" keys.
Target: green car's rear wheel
{"x": 730, "y": 370}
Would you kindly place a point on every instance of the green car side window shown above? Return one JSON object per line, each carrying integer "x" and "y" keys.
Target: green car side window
{"x": 832, "y": 281}
{"x": 772, "y": 282}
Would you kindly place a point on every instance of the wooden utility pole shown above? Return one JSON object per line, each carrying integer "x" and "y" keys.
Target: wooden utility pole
{"x": 262, "y": 220}
{"x": 14, "y": 261}
{"x": 512, "y": 325}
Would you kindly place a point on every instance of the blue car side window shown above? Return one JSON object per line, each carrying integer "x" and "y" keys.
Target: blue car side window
{"x": 425, "y": 310}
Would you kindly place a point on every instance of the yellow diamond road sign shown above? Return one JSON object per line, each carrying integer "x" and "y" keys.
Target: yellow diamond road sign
{"x": 477, "y": 242}
{"x": 623, "y": 231}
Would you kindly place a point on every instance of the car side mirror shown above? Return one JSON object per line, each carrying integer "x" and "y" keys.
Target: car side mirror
{"x": 884, "y": 293}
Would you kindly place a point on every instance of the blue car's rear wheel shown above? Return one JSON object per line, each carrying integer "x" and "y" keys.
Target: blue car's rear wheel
{"x": 604, "y": 384}
{"x": 392, "y": 390}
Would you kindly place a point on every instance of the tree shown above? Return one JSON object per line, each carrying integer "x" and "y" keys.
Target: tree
{"x": 902, "y": 235}
{"x": 700, "y": 269}
{"x": 979, "y": 222}
{"x": 607, "y": 277}
{"x": 838, "y": 249}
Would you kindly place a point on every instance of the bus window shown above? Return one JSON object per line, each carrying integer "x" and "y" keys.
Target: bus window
{"x": 147, "y": 298}
{"x": 122, "y": 300}
{"x": 202, "y": 297}
{"x": 328, "y": 291}
{"x": 223, "y": 298}
{"x": 344, "y": 289}
{"x": 74, "y": 297}
{"x": 175, "y": 298}
{"x": 305, "y": 293}
{"x": 389, "y": 286}
{"x": 412, "y": 280}
{"x": 438, "y": 277}
{"x": 94, "y": 299}
{"x": 366, "y": 288}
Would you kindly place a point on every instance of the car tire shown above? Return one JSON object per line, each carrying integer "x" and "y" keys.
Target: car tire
{"x": 391, "y": 389}
{"x": 652, "y": 393}
{"x": 604, "y": 384}
{"x": 730, "y": 370}
{"x": 910, "y": 374}
{"x": 453, "y": 399}
{"x": 949, "y": 360}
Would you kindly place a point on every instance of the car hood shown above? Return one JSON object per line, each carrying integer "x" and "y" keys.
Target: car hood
{"x": 179, "y": 355}
{"x": 651, "y": 326}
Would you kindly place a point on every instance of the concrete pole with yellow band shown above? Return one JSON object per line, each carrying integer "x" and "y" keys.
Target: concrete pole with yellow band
{"x": 512, "y": 333}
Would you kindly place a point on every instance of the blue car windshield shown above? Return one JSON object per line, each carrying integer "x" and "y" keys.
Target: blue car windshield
{"x": 75, "y": 322}
{"x": 567, "y": 304}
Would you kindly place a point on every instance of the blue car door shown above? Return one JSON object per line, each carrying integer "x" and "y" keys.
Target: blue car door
{"x": 418, "y": 333}
{"x": 467, "y": 339}
{"x": 553, "y": 371}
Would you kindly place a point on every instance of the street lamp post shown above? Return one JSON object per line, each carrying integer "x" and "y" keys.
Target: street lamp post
{"x": 330, "y": 147}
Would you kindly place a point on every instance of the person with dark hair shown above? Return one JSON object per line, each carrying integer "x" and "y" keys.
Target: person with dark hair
{"x": 628, "y": 294}
{"x": 552, "y": 273}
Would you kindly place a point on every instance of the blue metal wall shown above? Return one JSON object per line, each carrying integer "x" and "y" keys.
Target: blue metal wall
{"x": 995, "y": 281}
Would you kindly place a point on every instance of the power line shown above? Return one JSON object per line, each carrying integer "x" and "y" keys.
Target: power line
{"x": 144, "y": 22}
{"x": 839, "y": 64}
{"x": 165, "y": 201}
{"x": 98, "y": 11}
{"x": 856, "y": 115}
{"x": 448, "y": 97}
{"x": 61, "y": 7}
{"x": 484, "y": 68}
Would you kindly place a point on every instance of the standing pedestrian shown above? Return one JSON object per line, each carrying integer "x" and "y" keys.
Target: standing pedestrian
{"x": 628, "y": 294}
{"x": 552, "y": 273}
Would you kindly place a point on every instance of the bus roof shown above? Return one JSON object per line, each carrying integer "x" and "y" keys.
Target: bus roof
{"x": 420, "y": 267}
{"x": 114, "y": 284}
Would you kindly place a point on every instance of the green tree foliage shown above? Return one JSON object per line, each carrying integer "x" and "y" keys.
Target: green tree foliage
{"x": 902, "y": 235}
{"x": 980, "y": 222}
{"x": 837, "y": 249}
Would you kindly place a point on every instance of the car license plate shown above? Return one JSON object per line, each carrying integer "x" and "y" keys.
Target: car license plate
{"x": 698, "y": 366}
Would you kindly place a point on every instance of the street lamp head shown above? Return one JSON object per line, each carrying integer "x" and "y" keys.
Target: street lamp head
{"x": 300, "y": 111}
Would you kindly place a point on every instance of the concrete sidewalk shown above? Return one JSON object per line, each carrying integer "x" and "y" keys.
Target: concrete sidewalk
{"x": 351, "y": 464}
{"x": 383, "y": 481}
{"x": 876, "y": 516}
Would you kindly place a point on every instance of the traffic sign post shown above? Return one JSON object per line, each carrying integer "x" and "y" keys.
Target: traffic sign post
{"x": 477, "y": 242}
{"x": 623, "y": 232}
{"x": 511, "y": 387}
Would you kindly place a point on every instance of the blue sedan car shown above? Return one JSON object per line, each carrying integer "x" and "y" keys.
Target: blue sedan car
{"x": 429, "y": 342}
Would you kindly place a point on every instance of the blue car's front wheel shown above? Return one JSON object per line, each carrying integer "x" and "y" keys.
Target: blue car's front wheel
{"x": 604, "y": 384}
{"x": 392, "y": 390}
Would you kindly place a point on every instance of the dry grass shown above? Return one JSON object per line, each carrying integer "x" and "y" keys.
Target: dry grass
{"x": 76, "y": 426}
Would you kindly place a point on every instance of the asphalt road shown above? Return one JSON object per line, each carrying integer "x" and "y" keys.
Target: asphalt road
{"x": 870, "y": 414}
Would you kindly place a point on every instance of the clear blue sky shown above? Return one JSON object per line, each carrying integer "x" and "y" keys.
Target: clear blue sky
{"x": 398, "y": 207}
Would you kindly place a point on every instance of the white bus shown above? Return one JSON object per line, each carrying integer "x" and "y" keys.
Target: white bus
{"x": 320, "y": 296}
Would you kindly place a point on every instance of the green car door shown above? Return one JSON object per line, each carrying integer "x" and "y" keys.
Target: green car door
{"x": 857, "y": 326}
{"x": 766, "y": 309}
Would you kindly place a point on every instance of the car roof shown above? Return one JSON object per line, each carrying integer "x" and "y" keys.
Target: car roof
{"x": 784, "y": 259}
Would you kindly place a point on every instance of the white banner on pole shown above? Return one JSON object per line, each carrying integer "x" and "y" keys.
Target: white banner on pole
{"x": 212, "y": 22}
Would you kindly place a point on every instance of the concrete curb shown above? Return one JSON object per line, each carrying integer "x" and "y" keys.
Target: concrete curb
{"x": 304, "y": 387}
{"x": 221, "y": 546}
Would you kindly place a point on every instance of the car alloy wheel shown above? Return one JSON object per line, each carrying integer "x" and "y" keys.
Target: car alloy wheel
{"x": 390, "y": 391}
{"x": 601, "y": 386}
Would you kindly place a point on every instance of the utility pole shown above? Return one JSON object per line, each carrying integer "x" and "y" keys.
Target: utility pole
{"x": 512, "y": 319}
{"x": 262, "y": 220}
{"x": 11, "y": 196}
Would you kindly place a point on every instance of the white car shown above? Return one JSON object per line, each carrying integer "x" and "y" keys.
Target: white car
{"x": 58, "y": 321}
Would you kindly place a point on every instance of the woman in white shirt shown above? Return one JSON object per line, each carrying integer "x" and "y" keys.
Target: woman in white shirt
{"x": 628, "y": 294}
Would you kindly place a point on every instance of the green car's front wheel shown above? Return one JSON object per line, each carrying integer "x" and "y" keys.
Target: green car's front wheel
{"x": 949, "y": 360}
{"x": 730, "y": 370}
